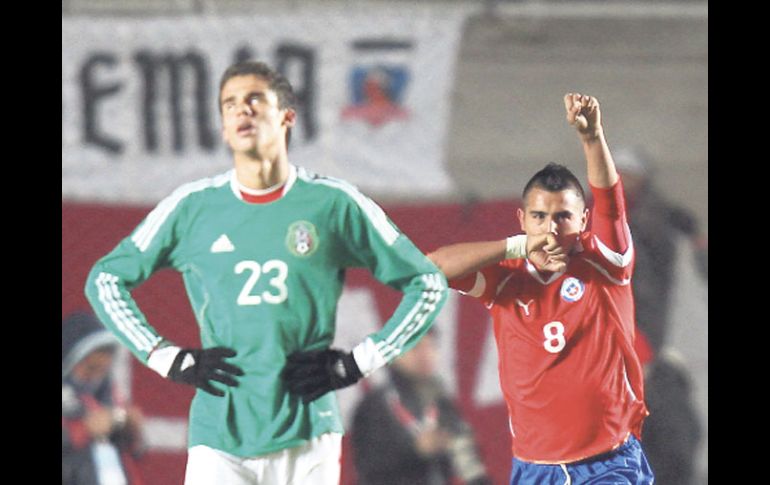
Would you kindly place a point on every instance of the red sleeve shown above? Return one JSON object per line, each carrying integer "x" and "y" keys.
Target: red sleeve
{"x": 609, "y": 243}
{"x": 481, "y": 284}
{"x": 464, "y": 284}
{"x": 610, "y": 224}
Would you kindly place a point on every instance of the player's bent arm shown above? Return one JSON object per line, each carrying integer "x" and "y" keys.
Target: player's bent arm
{"x": 153, "y": 245}
{"x": 424, "y": 295}
{"x": 108, "y": 289}
{"x": 367, "y": 238}
{"x": 311, "y": 374}
{"x": 458, "y": 260}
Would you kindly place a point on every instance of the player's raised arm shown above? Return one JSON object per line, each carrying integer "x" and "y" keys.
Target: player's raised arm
{"x": 584, "y": 113}
{"x": 610, "y": 227}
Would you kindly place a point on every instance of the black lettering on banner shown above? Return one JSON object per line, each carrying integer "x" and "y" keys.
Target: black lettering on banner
{"x": 286, "y": 55}
{"x": 151, "y": 65}
{"x": 243, "y": 53}
{"x": 93, "y": 93}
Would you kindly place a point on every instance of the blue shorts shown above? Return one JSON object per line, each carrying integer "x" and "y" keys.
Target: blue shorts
{"x": 623, "y": 466}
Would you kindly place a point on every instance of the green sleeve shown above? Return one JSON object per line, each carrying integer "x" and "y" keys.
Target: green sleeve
{"x": 373, "y": 241}
{"x": 150, "y": 247}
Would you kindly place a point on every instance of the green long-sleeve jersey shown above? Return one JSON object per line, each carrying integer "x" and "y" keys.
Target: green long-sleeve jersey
{"x": 264, "y": 279}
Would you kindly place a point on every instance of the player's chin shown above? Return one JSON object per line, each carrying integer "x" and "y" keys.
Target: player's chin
{"x": 246, "y": 147}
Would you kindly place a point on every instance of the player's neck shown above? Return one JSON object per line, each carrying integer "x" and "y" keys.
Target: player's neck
{"x": 261, "y": 173}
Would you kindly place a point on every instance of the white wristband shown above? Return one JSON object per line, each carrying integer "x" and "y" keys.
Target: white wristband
{"x": 368, "y": 357}
{"x": 516, "y": 247}
{"x": 160, "y": 360}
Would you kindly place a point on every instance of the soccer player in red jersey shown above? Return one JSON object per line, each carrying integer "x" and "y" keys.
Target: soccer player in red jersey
{"x": 563, "y": 313}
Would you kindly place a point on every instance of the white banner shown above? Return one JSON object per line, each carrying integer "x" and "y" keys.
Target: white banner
{"x": 139, "y": 97}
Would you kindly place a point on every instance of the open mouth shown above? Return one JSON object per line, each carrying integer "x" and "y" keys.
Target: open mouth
{"x": 246, "y": 129}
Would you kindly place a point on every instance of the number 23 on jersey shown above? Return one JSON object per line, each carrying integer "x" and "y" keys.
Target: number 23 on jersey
{"x": 274, "y": 269}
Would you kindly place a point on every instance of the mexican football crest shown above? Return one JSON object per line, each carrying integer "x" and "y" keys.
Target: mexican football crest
{"x": 302, "y": 238}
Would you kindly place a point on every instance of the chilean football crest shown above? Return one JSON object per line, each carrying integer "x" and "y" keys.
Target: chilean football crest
{"x": 302, "y": 239}
{"x": 572, "y": 289}
{"x": 378, "y": 81}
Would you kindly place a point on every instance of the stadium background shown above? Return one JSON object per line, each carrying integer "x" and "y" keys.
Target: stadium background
{"x": 495, "y": 118}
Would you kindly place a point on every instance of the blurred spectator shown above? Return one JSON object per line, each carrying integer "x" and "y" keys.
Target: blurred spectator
{"x": 672, "y": 431}
{"x": 409, "y": 432}
{"x": 101, "y": 435}
{"x": 656, "y": 226}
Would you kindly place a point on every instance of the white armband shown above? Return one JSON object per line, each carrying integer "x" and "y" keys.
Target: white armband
{"x": 516, "y": 247}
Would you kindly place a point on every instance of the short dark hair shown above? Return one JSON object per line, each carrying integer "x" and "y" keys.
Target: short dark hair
{"x": 554, "y": 178}
{"x": 275, "y": 81}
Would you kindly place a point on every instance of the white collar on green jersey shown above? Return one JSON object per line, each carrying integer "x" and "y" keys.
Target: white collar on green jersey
{"x": 236, "y": 186}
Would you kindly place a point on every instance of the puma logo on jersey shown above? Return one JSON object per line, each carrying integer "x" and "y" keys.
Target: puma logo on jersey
{"x": 525, "y": 306}
{"x": 222, "y": 245}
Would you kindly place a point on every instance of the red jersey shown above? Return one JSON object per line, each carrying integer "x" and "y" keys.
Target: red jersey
{"x": 571, "y": 379}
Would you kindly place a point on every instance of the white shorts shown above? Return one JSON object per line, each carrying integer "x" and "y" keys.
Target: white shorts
{"x": 317, "y": 462}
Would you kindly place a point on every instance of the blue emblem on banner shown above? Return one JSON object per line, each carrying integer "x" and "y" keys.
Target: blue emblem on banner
{"x": 377, "y": 89}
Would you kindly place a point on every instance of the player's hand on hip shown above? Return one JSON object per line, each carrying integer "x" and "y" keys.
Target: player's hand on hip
{"x": 583, "y": 113}
{"x": 198, "y": 367}
{"x": 544, "y": 251}
{"x": 313, "y": 373}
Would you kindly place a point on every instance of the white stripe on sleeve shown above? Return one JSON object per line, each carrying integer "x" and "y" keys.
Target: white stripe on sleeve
{"x": 415, "y": 319}
{"x": 617, "y": 259}
{"x": 603, "y": 271}
{"x": 122, "y": 316}
{"x": 143, "y": 236}
{"x": 478, "y": 286}
{"x": 628, "y": 384}
{"x": 374, "y": 212}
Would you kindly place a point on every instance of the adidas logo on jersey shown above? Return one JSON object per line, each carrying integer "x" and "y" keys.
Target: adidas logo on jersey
{"x": 222, "y": 245}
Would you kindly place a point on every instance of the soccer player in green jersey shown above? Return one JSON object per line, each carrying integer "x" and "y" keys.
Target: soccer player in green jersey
{"x": 263, "y": 250}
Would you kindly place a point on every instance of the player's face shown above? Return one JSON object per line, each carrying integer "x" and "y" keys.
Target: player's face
{"x": 562, "y": 213}
{"x": 252, "y": 122}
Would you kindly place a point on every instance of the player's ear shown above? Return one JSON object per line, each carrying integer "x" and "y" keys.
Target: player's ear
{"x": 520, "y": 215}
{"x": 584, "y": 220}
{"x": 289, "y": 117}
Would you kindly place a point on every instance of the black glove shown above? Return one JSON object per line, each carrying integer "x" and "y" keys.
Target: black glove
{"x": 204, "y": 365}
{"x": 312, "y": 374}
